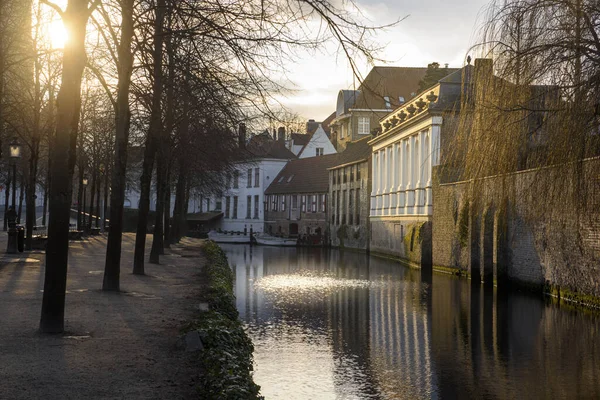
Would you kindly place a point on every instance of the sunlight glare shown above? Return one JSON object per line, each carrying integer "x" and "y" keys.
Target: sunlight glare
{"x": 58, "y": 34}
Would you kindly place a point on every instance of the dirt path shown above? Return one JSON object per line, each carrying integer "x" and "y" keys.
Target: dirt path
{"x": 117, "y": 346}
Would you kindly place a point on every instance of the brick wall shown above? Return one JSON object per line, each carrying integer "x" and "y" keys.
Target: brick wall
{"x": 543, "y": 233}
{"x": 355, "y": 235}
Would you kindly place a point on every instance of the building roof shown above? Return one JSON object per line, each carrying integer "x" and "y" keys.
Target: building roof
{"x": 391, "y": 82}
{"x": 325, "y": 124}
{"x": 457, "y": 75}
{"x": 355, "y": 151}
{"x": 305, "y": 175}
{"x": 346, "y": 99}
{"x": 263, "y": 146}
{"x": 301, "y": 139}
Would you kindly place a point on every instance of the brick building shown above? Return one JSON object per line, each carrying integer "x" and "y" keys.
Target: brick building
{"x": 296, "y": 200}
{"x": 349, "y": 191}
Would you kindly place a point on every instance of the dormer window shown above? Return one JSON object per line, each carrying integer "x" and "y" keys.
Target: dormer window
{"x": 401, "y": 99}
{"x": 387, "y": 102}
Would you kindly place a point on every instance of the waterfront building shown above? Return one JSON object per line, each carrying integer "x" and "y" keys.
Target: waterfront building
{"x": 242, "y": 203}
{"x": 358, "y": 111}
{"x": 296, "y": 200}
{"x": 350, "y": 191}
{"x": 404, "y": 154}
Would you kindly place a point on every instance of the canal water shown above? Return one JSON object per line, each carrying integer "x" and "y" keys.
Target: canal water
{"x": 328, "y": 324}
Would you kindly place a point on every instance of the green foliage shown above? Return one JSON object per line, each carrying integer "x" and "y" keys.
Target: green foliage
{"x": 432, "y": 76}
{"x": 463, "y": 225}
{"x": 226, "y": 359}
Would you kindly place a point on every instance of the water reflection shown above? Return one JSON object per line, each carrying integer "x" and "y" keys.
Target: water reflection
{"x": 373, "y": 329}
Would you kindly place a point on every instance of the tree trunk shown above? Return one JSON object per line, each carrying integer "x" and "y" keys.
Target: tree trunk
{"x": 186, "y": 206}
{"x": 92, "y": 194}
{"x": 178, "y": 212}
{"x": 154, "y": 132}
{"x": 157, "y": 237}
{"x": 7, "y": 197}
{"x": 21, "y": 197}
{"x": 31, "y": 212}
{"x": 167, "y": 229}
{"x": 105, "y": 205}
{"x": 45, "y": 206}
{"x": 33, "y": 159}
{"x": 112, "y": 267}
{"x": 62, "y": 167}
{"x": 51, "y": 101}
{"x": 79, "y": 197}
{"x": 98, "y": 205}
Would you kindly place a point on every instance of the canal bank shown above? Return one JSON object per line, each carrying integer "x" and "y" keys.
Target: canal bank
{"x": 116, "y": 345}
{"x": 330, "y": 324}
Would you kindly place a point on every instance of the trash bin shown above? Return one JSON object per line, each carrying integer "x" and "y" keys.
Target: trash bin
{"x": 21, "y": 238}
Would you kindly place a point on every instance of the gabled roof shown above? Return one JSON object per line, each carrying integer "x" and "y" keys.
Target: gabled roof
{"x": 305, "y": 175}
{"x": 263, "y": 146}
{"x": 355, "y": 151}
{"x": 311, "y": 136}
{"x": 325, "y": 124}
{"x": 391, "y": 82}
{"x": 301, "y": 139}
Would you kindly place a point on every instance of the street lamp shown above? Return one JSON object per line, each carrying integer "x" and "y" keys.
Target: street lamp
{"x": 84, "y": 181}
{"x": 11, "y": 215}
{"x": 15, "y": 154}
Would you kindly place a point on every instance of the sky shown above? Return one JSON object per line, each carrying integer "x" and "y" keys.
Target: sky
{"x": 433, "y": 30}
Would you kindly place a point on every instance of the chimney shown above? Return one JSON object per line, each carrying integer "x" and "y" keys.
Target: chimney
{"x": 311, "y": 125}
{"x": 281, "y": 133}
{"x": 242, "y": 135}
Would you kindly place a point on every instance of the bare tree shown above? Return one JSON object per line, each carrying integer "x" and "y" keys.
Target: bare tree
{"x": 62, "y": 165}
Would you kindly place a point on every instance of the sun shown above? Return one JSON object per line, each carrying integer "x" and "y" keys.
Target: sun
{"x": 58, "y": 34}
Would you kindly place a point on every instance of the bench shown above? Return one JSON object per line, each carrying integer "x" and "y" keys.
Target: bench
{"x": 94, "y": 231}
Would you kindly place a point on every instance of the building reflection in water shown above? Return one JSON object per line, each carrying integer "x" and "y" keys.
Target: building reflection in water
{"x": 371, "y": 328}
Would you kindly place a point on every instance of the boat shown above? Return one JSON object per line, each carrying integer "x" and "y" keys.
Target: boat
{"x": 229, "y": 237}
{"x": 268, "y": 240}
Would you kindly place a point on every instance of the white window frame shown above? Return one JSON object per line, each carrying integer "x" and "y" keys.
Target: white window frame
{"x": 364, "y": 125}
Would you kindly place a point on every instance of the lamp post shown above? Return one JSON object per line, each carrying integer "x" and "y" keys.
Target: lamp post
{"x": 85, "y": 183}
{"x": 11, "y": 215}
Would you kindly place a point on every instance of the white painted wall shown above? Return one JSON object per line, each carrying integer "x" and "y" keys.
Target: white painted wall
{"x": 269, "y": 168}
{"x": 402, "y": 165}
{"x": 318, "y": 139}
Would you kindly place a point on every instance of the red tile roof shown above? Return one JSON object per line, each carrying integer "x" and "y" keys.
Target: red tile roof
{"x": 391, "y": 82}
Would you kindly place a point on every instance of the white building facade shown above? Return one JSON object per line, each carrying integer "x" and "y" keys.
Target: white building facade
{"x": 404, "y": 155}
{"x": 242, "y": 202}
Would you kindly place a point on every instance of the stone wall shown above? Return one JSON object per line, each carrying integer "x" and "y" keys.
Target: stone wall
{"x": 525, "y": 228}
{"x": 398, "y": 237}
